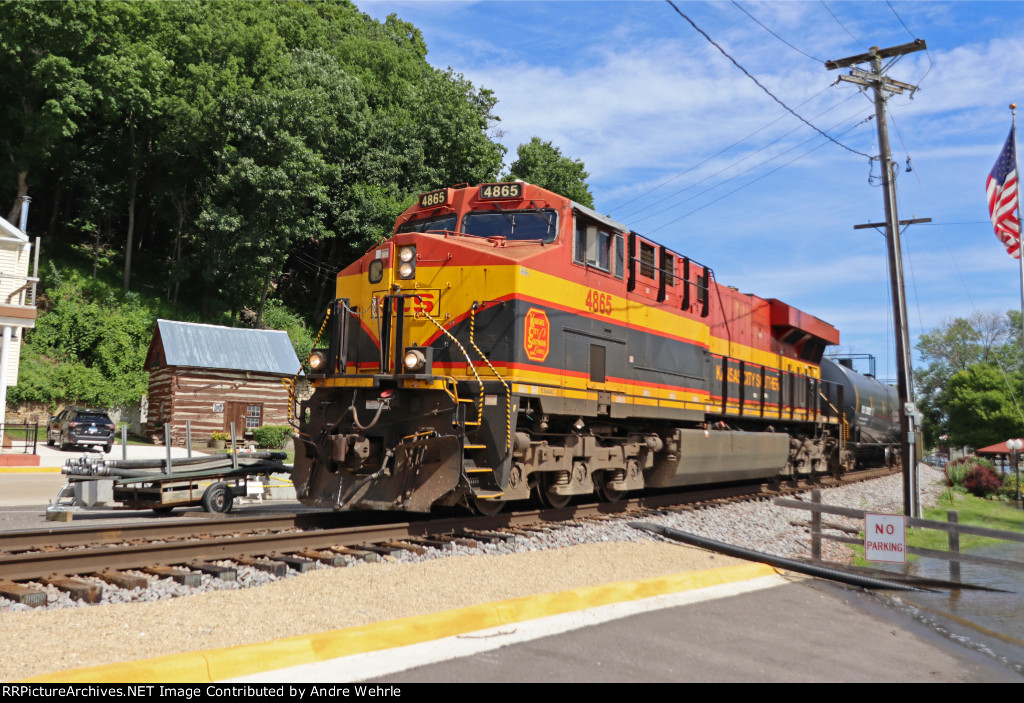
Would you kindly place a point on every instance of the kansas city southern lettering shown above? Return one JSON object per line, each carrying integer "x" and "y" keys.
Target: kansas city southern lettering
{"x": 750, "y": 378}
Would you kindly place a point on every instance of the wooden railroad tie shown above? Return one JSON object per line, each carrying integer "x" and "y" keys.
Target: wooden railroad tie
{"x": 77, "y": 589}
{"x": 178, "y": 575}
{"x": 363, "y": 554}
{"x": 276, "y": 568}
{"x": 224, "y": 573}
{"x": 26, "y": 595}
{"x": 297, "y": 562}
{"x": 120, "y": 579}
{"x": 329, "y": 558}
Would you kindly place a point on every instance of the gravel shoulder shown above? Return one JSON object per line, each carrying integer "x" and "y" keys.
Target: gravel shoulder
{"x": 66, "y": 635}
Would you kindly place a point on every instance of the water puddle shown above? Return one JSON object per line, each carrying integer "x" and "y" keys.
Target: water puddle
{"x": 986, "y": 621}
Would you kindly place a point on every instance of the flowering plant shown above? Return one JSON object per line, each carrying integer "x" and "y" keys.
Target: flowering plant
{"x": 219, "y": 436}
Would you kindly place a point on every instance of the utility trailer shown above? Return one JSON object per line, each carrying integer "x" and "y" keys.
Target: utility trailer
{"x": 212, "y": 482}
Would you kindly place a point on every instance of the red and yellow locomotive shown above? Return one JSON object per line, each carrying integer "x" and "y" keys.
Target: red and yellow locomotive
{"x": 508, "y": 341}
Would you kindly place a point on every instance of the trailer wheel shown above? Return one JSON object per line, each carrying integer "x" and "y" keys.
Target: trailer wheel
{"x": 218, "y": 498}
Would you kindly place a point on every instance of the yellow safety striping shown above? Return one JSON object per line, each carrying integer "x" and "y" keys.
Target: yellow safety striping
{"x": 30, "y": 469}
{"x": 231, "y": 662}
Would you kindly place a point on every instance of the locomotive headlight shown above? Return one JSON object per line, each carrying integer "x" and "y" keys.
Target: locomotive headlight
{"x": 414, "y": 360}
{"x": 407, "y": 262}
{"x": 318, "y": 362}
{"x": 418, "y": 360}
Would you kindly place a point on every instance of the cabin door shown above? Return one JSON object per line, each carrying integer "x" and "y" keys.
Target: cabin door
{"x": 235, "y": 412}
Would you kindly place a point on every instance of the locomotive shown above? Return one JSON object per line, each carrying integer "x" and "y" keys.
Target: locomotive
{"x": 508, "y": 342}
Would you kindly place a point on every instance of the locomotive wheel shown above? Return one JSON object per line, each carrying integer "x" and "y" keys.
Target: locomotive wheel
{"x": 488, "y": 508}
{"x": 548, "y": 498}
{"x": 611, "y": 495}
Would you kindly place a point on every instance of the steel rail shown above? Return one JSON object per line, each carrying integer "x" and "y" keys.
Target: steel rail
{"x": 165, "y": 544}
{"x": 164, "y": 529}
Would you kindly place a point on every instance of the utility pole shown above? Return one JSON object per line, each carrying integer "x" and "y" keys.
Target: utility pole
{"x": 882, "y": 85}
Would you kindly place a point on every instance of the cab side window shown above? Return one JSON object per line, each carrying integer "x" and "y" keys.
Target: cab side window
{"x": 598, "y": 247}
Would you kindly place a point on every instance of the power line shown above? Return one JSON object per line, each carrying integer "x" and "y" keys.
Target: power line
{"x": 755, "y": 180}
{"x": 758, "y": 83}
{"x": 912, "y": 36}
{"x": 734, "y": 163}
{"x": 829, "y": 10}
{"x": 765, "y": 28}
{"x": 715, "y": 155}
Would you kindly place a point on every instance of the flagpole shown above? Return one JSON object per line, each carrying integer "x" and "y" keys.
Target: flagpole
{"x": 1020, "y": 221}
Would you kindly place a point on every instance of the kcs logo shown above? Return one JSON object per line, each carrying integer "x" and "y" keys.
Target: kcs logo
{"x": 423, "y": 303}
{"x": 536, "y": 335}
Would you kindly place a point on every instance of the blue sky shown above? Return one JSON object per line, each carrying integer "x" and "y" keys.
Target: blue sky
{"x": 683, "y": 147}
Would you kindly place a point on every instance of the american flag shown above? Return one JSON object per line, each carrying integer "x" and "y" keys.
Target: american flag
{"x": 1002, "y": 198}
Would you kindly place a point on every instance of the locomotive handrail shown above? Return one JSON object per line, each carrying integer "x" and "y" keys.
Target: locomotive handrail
{"x": 472, "y": 368}
{"x": 508, "y": 389}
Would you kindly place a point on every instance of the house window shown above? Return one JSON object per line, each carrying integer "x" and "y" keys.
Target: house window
{"x": 253, "y": 416}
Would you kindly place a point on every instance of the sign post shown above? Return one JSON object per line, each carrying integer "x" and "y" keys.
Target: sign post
{"x": 885, "y": 538}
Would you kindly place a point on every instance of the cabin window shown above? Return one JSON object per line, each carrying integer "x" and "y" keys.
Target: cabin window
{"x": 253, "y": 416}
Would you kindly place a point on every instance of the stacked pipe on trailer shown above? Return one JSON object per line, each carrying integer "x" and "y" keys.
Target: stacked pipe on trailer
{"x": 255, "y": 462}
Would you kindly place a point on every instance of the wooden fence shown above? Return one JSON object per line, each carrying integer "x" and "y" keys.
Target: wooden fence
{"x": 953, "y": 529}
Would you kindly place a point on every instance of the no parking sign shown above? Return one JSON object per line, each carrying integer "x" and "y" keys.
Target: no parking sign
{"x": 885, "y": 538}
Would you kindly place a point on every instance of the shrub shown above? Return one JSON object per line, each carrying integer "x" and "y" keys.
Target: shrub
{"x": 1010, "y": 485}
{"x": 272, "y": 436}
{"x": 957, "y": 470}
{"x": 982, "y": 481}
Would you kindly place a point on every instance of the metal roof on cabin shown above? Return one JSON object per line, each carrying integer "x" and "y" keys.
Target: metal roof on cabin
{"x": 236, "y": 348}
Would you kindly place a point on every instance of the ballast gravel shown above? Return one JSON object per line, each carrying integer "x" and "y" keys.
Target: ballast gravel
{"x": 167, "y": 617}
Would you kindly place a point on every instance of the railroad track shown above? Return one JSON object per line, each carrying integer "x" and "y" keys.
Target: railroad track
{"x": 80, "y": 560}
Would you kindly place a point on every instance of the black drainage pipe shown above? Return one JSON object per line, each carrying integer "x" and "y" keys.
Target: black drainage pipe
{"x": 780, "y": 562}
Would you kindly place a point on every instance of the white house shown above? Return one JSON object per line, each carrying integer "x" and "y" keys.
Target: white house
{"x": 17, "y": 303}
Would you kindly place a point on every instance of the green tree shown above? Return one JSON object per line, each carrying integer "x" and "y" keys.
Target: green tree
{"x": 250, "y": 149}
{"x": 47, "y": 50}
{"x": 956, "y": 349}
{"x": 980, "y": 405}
{"x": 542, "y": 164}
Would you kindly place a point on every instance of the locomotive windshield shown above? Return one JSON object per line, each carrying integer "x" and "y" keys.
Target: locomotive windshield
{"x": 430, "y": 224}
{"x": 534, "y": 225}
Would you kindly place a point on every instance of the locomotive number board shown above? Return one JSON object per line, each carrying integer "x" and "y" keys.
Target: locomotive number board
{"x": 499, "y": 191}
{"x": 434, "y": 198}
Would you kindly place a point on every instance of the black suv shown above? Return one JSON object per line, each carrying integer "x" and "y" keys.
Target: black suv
{"x": 81, "y": 426}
